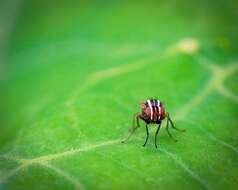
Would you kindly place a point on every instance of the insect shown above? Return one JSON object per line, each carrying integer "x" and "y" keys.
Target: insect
{"x": 153, "y": 112}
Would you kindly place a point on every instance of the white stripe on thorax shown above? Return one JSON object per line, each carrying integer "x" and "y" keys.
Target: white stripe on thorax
{"x": 158, "y": 105}
{"x": 151, "y": 110}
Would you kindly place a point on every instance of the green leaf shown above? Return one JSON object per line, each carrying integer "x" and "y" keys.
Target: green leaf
{"x": 76, "y": 73}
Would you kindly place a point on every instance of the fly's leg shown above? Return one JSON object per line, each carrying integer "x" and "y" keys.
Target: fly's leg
{"x": 156, "y": 135}
{"x": 134, "y": 126}
{"x": 147, "y": 135}
{"x": 167, "y": 129}
{"x": 172, "y": 124}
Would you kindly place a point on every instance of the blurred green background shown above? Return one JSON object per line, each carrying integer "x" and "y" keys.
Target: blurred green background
{"x": 72, "y": 73}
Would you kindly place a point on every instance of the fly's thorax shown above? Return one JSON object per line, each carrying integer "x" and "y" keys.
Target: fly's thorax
{"x": 162, "y": 112}
{"x": 146, "y": 111}
{"x": 145, "y": 117}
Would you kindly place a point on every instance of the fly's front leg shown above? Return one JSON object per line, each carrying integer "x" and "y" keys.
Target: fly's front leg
{"x": 134, "y": 126}
{"x": 156, "y": 135}
{"x": 147, "y": 135}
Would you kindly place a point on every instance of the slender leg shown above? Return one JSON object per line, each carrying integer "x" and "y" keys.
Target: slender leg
{"x": 130, "y": 134}
{"x": 172, "y": 124}
{"x": 156, "y": 135}
{"x": 134, "y": 127}
{"x": 147, "y": 135}
{"x": 167, "y": 129}
{"x": 137, "y": 121}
